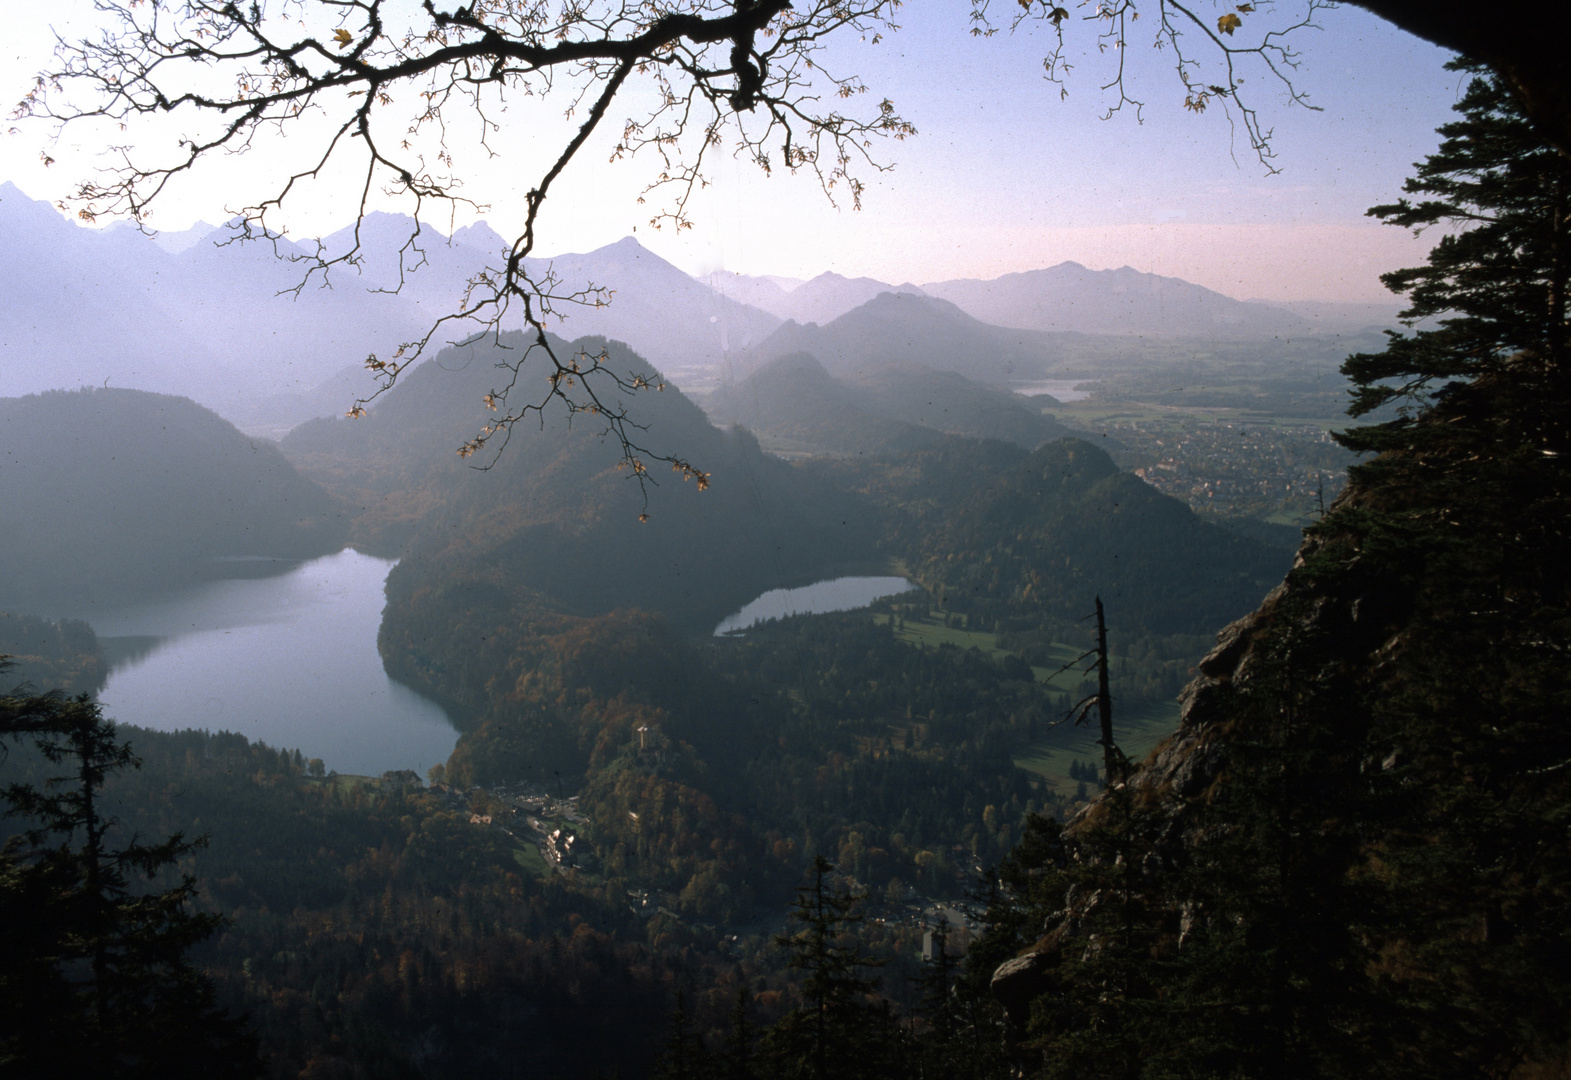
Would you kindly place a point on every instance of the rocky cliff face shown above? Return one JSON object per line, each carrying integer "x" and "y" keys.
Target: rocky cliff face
{"x": 1378, "y": 752}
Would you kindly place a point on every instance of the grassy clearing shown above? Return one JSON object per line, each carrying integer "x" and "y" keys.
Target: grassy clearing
{"x": 1136, "y": 731}
{"x": 933, "y": 631}
{"x": 1065, "y": 674}
{"x": 530, "y": 859}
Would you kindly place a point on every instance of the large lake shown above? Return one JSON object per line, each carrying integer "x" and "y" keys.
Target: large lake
{"x": 290, "y": 660}
{"x": 839, "y": 594}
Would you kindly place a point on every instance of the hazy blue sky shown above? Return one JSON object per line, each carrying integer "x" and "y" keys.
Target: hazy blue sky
{"x": 1003, "y": 175}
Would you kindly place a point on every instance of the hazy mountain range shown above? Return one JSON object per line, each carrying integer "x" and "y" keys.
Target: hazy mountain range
{"x": 1069, "y": 297}
{"x": 186, "y": 313}
{"x": 902, "y": 329}
{"x": 821, "y": 300}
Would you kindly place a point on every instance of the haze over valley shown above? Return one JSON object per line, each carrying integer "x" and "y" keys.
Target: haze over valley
{"x": 385, "y": 669}
{"x": 174, "y": 428}
{"x": 757, "y": 541}
{"x": 220, "y": 321}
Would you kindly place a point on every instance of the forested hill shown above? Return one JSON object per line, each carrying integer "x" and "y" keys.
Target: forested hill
{"x": 904, "y": 328}
{"x": 1021, "y": 537}
{"x": 795, "y": 404}
{"x": 1066, "y": 524}
{"x": 109, "y": 491}
{"x": 49, "y": 653}
{"x": 556, "y": 516}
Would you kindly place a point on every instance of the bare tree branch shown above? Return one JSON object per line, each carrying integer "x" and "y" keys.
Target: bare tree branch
{"x": 392, "y": 89}
{"x": 374, "y": 83}
{"x": 1225, "y": 55}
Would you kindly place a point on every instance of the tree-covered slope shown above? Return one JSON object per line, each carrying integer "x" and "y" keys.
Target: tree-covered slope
{"x": 50, "y": 654}
{"x": 1065, "y": 524}
{"x": 370, "y": 928}
{"x": 1030, "y": 539}
{"x": 795, "y": 404}
{"x": 119, "y": 491}
{"x": 554, "y": 513}
{"x": 1352, "y": 854}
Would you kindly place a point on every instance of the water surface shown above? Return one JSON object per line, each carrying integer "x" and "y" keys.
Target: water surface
{"x": 838, "y": 594}
{"x": 290, "y": 660}
{"x": 1062, "y": 389}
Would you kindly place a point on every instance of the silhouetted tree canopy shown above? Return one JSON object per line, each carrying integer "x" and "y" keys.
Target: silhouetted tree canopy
{"x": 95, "y": 978}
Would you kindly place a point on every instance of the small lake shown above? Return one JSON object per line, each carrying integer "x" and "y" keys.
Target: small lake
{"x": 1062, "y": 389}
{"x": 289, "y": 660}
{"x": 838, "y": 594}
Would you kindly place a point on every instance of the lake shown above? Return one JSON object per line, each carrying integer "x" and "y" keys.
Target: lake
{"x": 289, "y": 660}
{"x": 1062, "y": 389}
{"x": 838, "y": 594}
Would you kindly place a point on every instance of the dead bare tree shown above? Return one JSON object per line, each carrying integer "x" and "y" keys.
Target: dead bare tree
{"x": 1115, "y": 765}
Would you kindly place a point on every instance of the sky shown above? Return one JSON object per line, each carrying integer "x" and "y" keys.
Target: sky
{"x": 1005, "y": 174}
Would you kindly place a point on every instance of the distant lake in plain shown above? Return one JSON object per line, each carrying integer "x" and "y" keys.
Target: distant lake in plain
{"x": 1062, "y": 389}
{"x": 289, "y": 660}
{"x": 838, "y": 594}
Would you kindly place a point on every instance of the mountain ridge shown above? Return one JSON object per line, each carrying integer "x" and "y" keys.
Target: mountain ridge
{"x": 185, "y": 491}
{"x": 1070, "y": 296}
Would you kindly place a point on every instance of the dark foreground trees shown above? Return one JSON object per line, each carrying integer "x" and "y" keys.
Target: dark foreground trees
{"x": 95, "y": 978}
{"x": 839, "y": 1029}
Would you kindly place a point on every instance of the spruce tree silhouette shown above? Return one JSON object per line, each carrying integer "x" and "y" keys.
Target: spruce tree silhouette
{"x": 95, "y": 978}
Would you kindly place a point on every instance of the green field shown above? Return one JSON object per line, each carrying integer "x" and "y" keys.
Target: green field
{"x": 931, "y": 632}
{"x": 530, "y": 859}
{"x": 1136, "y": 731}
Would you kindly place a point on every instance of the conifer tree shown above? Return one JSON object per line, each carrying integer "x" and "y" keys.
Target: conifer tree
{"x": 1375, "y": 882}
{"x": 683, "y": 1056}
{"x": 1470, "y": 505}
{"x": 98, "y": 982}
{"x": 1496, "y": 282}
{"x": 737, "y": 1052}
{"x": 840, "y": 1029}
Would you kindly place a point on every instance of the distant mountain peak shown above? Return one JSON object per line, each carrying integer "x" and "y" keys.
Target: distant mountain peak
{"x": 480, "y": 234}
{"x": 890, "y": 300}
{"x": 1070, "y": 297}
{"x": 802, "y": 362}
